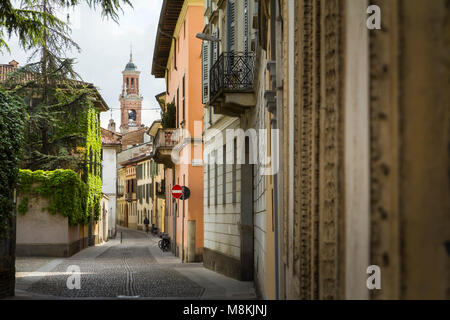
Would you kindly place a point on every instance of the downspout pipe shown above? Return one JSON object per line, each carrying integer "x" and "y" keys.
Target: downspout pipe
{"x": 275, "y": 204}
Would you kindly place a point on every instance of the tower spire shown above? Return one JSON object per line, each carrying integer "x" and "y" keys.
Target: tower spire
{"x": 131, "y": 52}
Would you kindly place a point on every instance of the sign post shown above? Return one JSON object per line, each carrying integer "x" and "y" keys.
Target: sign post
{"x": 185, "y": 195}
{"x": 182, "y": 193}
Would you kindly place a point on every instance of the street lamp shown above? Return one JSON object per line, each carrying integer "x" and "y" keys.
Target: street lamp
{"x": 207, "y": 37}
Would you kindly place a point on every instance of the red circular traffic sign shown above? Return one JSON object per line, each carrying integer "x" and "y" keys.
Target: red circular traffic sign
{"x": 177, "y": 191}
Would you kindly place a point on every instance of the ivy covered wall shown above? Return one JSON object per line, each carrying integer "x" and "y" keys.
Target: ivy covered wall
{"x": 75, "y": 192}
{"x": 12, "y": 123}
{"x": 66, "y": 192}
{"x": 94, "y": 161}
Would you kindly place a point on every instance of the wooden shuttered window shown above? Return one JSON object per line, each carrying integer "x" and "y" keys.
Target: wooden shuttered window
{"x": 246, "y": 25}
{"x": 263, "y": 30}
{"x": 215, "y": 47}
{"x": 205, "y": 72}
{"x": 231, "y": 25}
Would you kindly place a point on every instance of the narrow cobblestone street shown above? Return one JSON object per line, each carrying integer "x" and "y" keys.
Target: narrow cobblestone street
{"x": 133, "y": 269}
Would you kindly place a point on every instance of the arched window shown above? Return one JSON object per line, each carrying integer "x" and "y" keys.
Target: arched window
{"x": 131, "y": 115}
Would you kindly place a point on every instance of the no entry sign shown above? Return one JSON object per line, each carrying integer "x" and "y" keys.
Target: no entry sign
{"x": 177, "y": 191}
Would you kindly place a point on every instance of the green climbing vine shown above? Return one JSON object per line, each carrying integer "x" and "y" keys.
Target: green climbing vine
{"x": 94, "y": 144}
{"x": 74, "y": 195}
{"x": 66, "y": 192}
{"x": 169, "y": 117}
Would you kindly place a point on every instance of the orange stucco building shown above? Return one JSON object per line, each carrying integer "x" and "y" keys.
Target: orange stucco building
{"x": 177, "y": 58}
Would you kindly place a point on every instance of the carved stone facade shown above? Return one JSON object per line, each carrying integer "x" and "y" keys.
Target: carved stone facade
{"x": 311, "y": 197}
{"x": 410, "y": 121}
{"x": 364, "y": 133}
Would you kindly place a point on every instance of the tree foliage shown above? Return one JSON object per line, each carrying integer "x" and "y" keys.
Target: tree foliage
{"x": 12, "y": 121}
{"x": 169, "y": 116}
{"x": 29, "y": 22}
{"x": 56, "y": 100}
{"x": 62, "y": 129}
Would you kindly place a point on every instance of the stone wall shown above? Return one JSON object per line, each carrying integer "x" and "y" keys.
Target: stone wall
{"x": 255, "y": 119}
{"x": 410, "y": 135}
{"x": 312, "y": 149}
{"x": 365, "y": 130}
{"x": 42, "y": 234}
{"x": 222, "y": 238}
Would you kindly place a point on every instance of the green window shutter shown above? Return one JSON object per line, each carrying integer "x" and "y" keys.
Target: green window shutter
{"x": 205, "y": 72}
{"x": 246, "y": 25}
{"x": 216, "y": 47}
{"x": 231, "y": 27}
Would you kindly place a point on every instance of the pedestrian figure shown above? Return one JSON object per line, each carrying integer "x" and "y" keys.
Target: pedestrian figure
{"x": 146, "y": 222}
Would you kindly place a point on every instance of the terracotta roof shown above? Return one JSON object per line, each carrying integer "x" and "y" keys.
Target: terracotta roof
{"x": 168, "y": 19}
{"x": 5, "y": 69}
{"x": 135, "y": 132}
{"x": 137, "y": 159}
{"x": 110, "y": 138}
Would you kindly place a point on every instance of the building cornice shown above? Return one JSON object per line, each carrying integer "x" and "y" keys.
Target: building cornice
{"x": 181, "y": 18}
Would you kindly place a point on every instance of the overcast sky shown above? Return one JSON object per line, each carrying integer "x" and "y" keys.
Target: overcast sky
{"x": 105, "y": 50}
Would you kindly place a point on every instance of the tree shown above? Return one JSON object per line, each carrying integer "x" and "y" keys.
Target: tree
{"x": 54, "y": 93}
{"x": 11, "y": 135}
{"x": 169, "y": 116}
{"x": 29, "y": 24}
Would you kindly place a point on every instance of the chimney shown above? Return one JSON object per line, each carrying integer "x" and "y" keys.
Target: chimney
{"x": 13, "y": 63}
{"x": 112, "y": 125}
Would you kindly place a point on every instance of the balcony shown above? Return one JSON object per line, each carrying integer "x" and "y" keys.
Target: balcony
{"x": 231, "y": 83}
{"x": 164, "y": 142}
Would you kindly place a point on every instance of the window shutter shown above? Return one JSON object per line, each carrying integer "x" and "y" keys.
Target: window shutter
{"x": 231, "y": 25}
{"x": 205, "y": 72}
{"x": 216, "y": 47}
{"x": 263, "y": 29}
{"x": 246, "y": 25}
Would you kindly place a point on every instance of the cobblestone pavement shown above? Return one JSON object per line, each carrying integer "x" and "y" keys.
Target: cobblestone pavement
{"x": 133, "y": 269}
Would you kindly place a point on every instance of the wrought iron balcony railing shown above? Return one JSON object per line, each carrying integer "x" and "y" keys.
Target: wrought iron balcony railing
{"x": 232, "y": 72}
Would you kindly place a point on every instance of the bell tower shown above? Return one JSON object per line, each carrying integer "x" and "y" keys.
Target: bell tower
{"x": 130, "y": 99}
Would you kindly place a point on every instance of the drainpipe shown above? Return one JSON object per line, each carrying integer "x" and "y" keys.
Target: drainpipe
{"x": 275, "y": 191}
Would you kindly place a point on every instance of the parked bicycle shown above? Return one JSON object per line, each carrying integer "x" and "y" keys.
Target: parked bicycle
{"x": 164, "y": 243}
